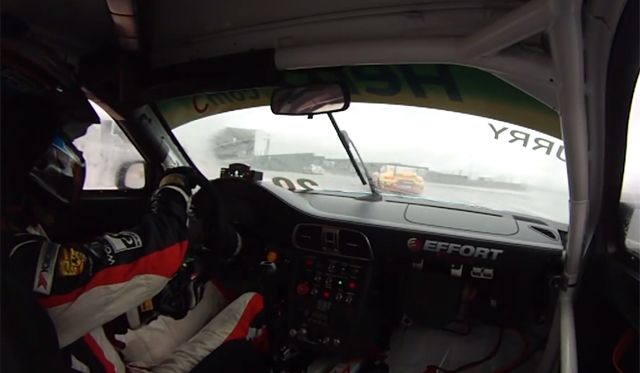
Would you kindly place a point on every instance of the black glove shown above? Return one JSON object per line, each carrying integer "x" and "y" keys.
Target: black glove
{"x": 177, "y": 298}
{"x": 182, "y": 177}
{"x": 165, "y": 200}
{"x": 182, "y": 294}
{"x": 138, "y": 317}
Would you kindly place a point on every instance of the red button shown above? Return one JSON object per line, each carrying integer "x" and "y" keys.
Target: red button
{"x": 327, "y": 294}
{"x": 302, "y": 289}
{"x": 352, "y": 285}
{"x": 308, "y": 262}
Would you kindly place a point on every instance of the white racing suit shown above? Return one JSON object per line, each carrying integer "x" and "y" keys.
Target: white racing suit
{"x": 176, "y": 346}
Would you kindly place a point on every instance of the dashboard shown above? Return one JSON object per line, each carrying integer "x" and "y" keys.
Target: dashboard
{"x": 353, "y": 269}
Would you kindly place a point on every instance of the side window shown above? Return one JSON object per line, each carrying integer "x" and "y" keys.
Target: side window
{"x": 630, "y": 198}
{"x": 108, "y": 153}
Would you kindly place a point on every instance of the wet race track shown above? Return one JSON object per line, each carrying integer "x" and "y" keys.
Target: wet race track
{"x": 546, "y": 204}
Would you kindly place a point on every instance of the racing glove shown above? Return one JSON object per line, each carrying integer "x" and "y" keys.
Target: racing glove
{"x": 138, "y": 317}
{"x": 177, "y": 298}
{"x": 179, "y": 179}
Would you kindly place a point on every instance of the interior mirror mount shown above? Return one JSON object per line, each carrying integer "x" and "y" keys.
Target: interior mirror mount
{"x": 310, "y": 99}
{"x": 131, "y": 175}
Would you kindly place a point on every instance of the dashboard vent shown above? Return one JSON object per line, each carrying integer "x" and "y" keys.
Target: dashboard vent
{"x": 308, "y": 236}
{"x": 354, "y": 244}
{"x": 529, "y": 220}
{"x": 332, "y": 240}
{"x": 563, "y": 237}
{"x": 545, "y": 232}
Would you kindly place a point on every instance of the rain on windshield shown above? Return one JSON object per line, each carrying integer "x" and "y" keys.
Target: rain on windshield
{"x": 409, "y": 151}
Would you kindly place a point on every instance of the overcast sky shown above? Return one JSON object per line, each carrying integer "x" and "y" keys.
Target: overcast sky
{"x": 631, "y": 186}
{"x": 442, "y": 141}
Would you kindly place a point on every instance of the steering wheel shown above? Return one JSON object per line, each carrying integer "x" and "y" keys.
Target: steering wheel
{"x": 219, "y": 241}
{"x": 212, "y": 241}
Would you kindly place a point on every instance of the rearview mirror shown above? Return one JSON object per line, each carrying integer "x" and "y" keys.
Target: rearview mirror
{"x": 310, "y": 99}
{"x": 131, "y": 175}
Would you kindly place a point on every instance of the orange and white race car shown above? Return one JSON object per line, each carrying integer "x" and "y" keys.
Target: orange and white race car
{"x": 399, "y": 180}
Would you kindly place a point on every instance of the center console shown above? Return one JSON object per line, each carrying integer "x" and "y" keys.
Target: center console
{"x": 330, "y": 290}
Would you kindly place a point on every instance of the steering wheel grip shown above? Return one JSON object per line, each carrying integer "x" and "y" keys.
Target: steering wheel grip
{"x": 219, "y": 234}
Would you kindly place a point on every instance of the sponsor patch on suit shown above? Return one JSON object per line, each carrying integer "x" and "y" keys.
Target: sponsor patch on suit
{"x": 72, "y": 262}
{"x": 123, "y": 241}
{"x": 45, "y": 268}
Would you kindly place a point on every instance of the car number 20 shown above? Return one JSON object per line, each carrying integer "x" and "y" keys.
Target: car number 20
{"x": 283, "y": 182}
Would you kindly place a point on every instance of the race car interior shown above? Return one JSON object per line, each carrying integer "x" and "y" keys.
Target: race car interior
{"x": 340, "y": 282}
{"x": 345, "y": 156}
{"x": 343, "y": 285}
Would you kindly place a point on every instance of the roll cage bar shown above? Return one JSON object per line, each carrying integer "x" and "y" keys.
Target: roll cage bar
{"x": 490, "y": 49}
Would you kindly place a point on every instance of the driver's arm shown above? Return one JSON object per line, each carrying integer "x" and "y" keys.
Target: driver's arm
{"x": 84, "y": 286}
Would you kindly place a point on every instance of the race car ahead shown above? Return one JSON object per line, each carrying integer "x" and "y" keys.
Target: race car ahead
{"x": 314, "y": 170}
{"x": 399, "y": 180}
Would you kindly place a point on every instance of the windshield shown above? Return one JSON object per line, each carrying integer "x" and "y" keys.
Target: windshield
{"x": 410, "y": 152}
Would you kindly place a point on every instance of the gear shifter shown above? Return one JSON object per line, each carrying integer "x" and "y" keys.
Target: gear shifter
{"x": 284, "y": 359}
{"x": 268, "y": 279}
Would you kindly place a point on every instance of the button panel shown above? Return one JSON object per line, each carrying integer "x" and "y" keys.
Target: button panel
{"x": 329, "y": 278}
{"x": 326, "y": 299}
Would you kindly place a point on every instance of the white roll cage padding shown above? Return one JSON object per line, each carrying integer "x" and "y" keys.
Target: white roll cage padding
{"x": 490, "y": 49}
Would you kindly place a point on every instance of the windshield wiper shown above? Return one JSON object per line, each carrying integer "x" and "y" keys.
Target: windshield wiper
{"x": 347, "y": 143}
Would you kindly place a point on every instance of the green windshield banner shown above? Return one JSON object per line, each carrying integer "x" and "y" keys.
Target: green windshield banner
{"x": 445, "y": 87}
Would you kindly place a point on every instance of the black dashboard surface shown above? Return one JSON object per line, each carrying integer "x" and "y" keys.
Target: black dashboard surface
{"x": 396, "y": 226}
{"x": 351, "y": 269}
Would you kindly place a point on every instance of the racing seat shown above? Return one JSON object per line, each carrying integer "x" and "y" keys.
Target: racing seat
{"x": 29, "y": 339}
